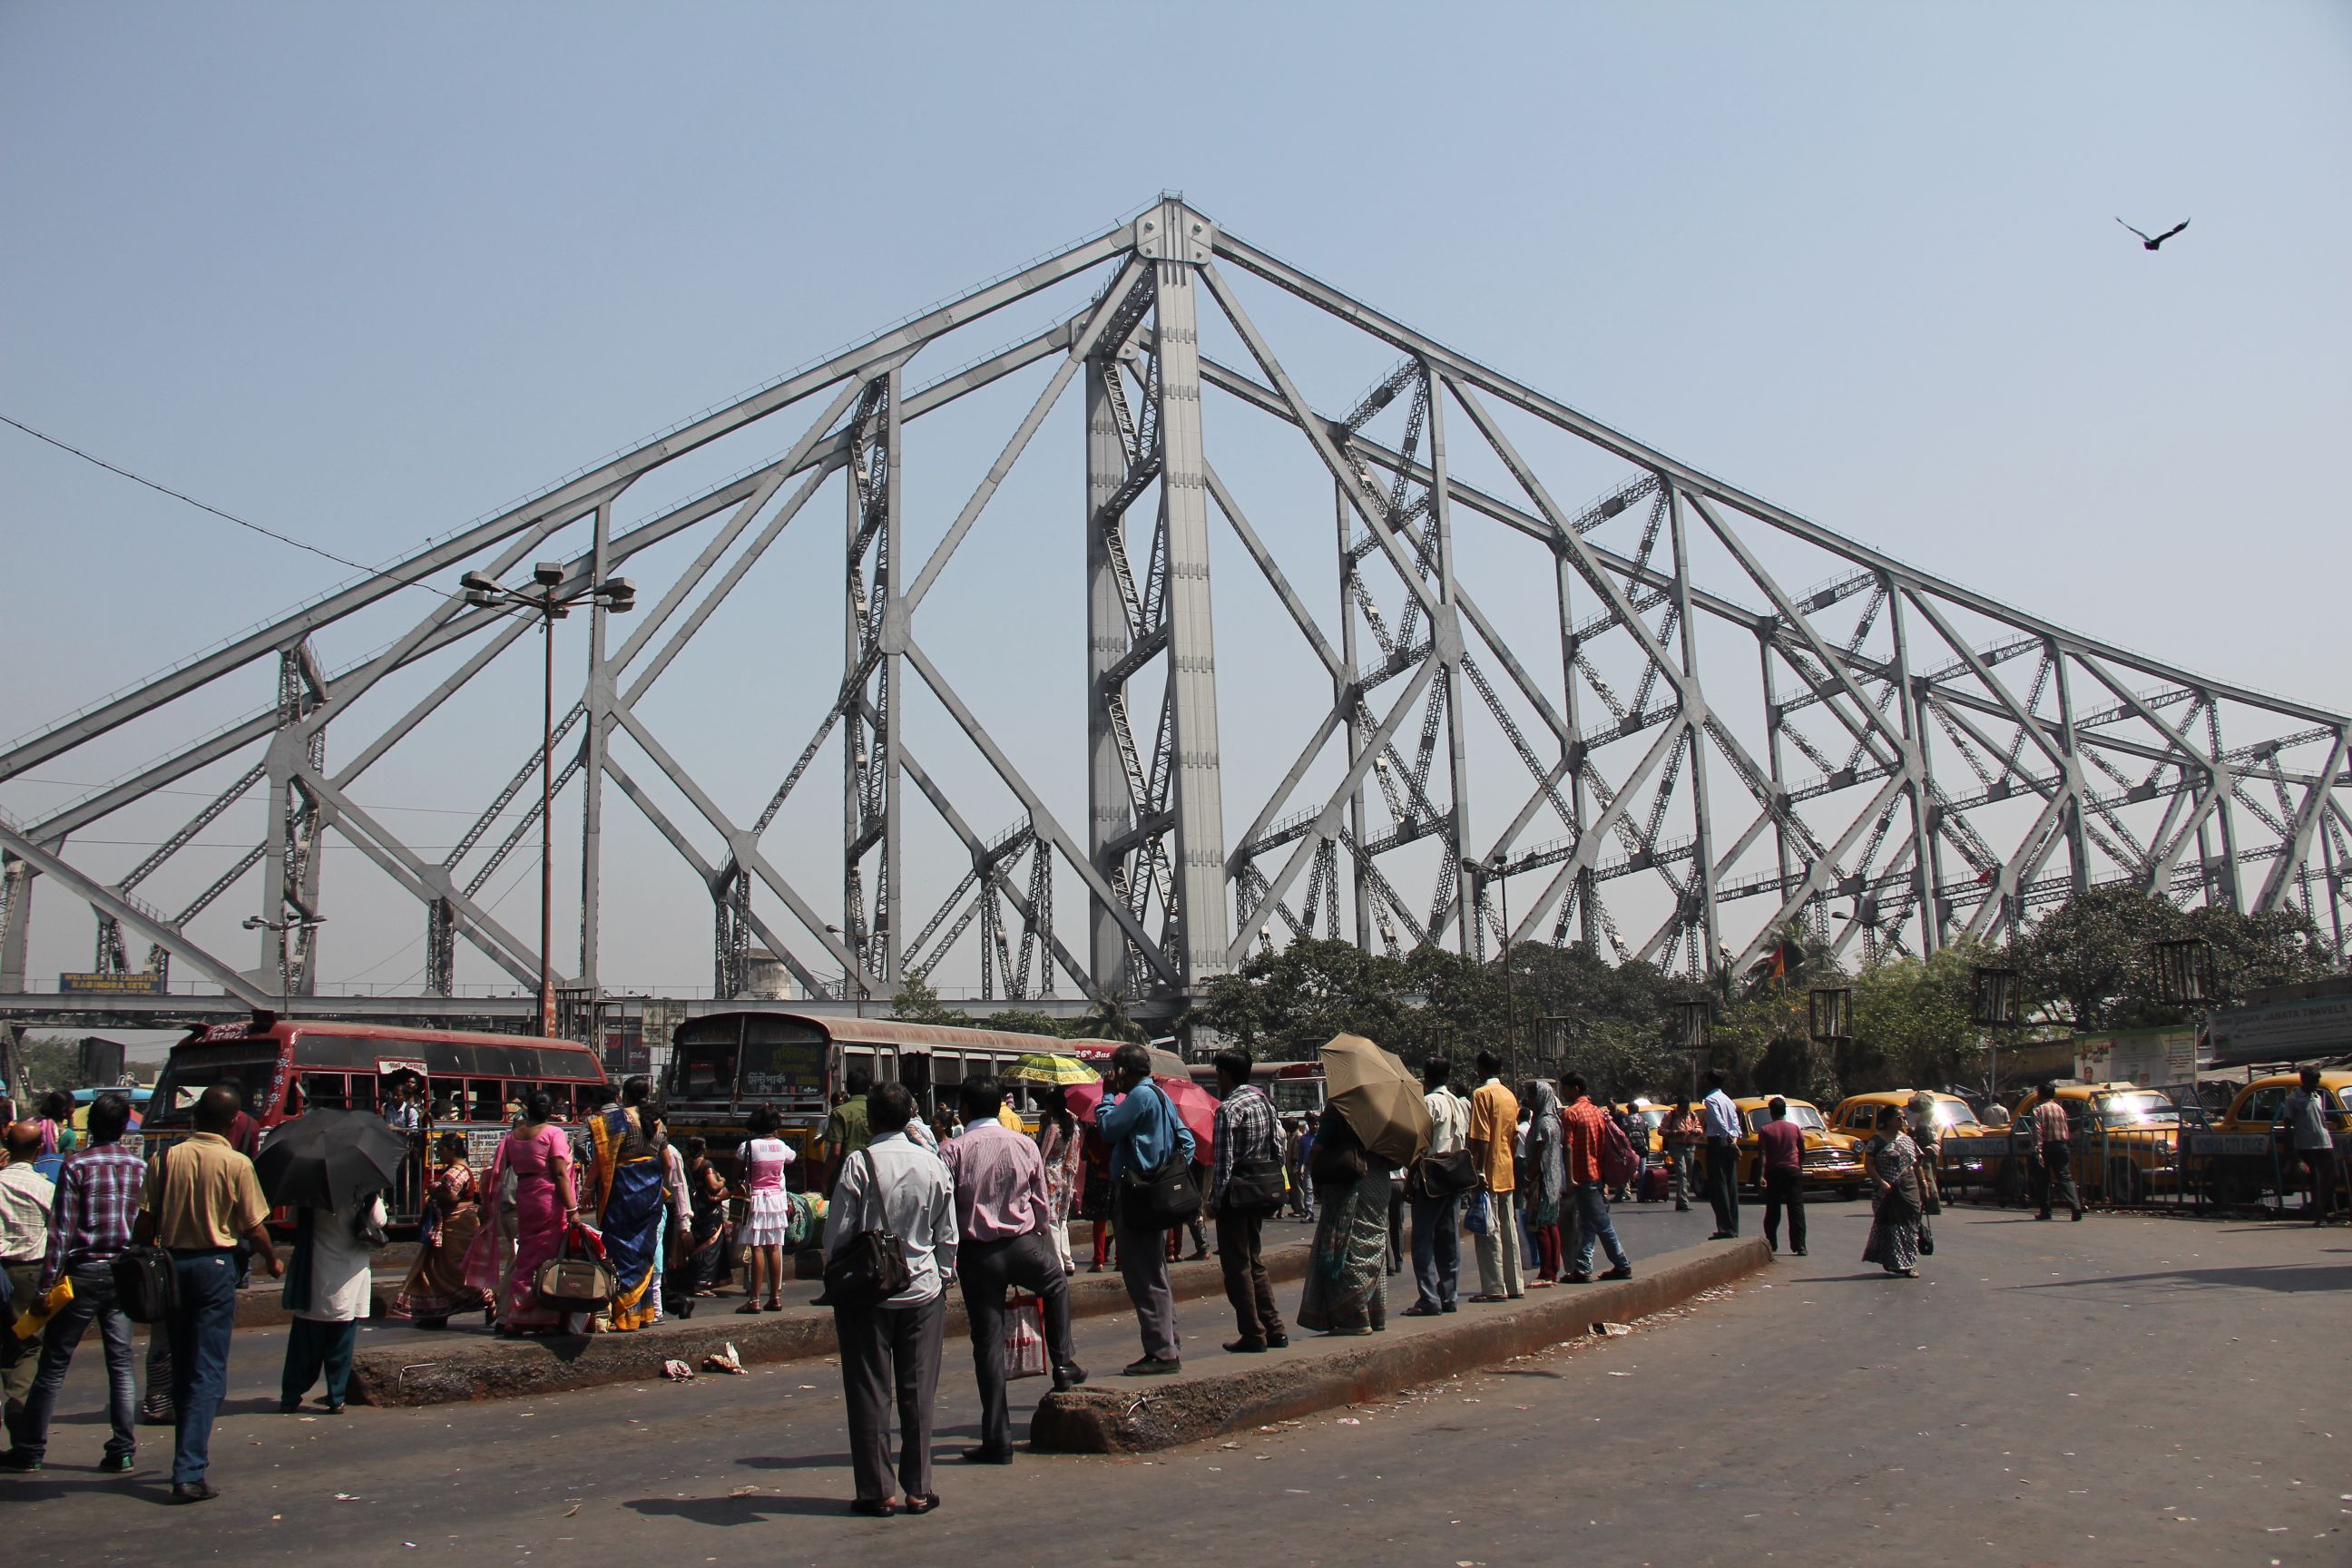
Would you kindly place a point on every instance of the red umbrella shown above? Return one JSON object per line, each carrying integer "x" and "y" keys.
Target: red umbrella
{"x": 1195, "y": 1105}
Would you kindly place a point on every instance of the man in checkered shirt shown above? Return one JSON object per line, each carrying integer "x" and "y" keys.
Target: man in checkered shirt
{"x": 96, "y": 1204}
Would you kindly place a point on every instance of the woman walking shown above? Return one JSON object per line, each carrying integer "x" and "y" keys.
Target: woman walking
{"x": 1894, "y": 1165}
{"x": 436, "y": 1290}
{"x": 1059, "y": 1146}
{"x": 328, "y": 1291}
{"x": 538, "y": 1156}
{"x": 1545, "y": 1179}
{"x": 765, "y": 1155}
{"x": 1347, "y": 1274}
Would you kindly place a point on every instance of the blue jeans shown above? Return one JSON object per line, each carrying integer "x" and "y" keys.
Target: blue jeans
{"x": 1437, "y": 1249}
{"x": 1592, "y": 1211}
{"x": 200, "y": 1331}
{"x": 93, "y": 1297}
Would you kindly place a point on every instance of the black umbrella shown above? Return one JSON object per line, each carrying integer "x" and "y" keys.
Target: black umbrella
{"x": 326, "y": 1159}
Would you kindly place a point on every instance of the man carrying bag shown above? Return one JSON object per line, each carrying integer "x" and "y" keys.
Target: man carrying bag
{"x": 894, "y": 1194}
{"x": 1440, "y": 1177}
{"x": 1247, "y": 1184}
{"x": 1150, "y": 1171}
{"x": 1001, "y": 1242}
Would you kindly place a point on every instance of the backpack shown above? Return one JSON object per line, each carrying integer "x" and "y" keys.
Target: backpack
{"x": 1619, "y": 1162}
{"x": 146, "y": 1284}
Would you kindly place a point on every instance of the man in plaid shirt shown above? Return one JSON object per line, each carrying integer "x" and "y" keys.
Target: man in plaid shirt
{"x": 1247, "y": 1133}
{"x": 97, "y": 1203}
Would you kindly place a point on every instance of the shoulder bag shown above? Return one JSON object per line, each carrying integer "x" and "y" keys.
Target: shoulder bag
{"x": 1255, "y": 1185}
{"x": 1163, "y": 1197}
{"x": 146, "y": 1281}
{"x": 1619, "y": 1162}
{"x": 870, "y": 1267}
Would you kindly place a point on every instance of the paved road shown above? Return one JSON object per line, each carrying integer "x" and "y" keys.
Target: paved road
{"x": 2119, "y": 1391}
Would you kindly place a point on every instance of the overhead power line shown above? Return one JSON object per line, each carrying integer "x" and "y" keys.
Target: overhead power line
{"x": 226, "y": 516}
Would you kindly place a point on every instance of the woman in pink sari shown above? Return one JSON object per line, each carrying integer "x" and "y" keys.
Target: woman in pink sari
{"x": 539, "y": 1156}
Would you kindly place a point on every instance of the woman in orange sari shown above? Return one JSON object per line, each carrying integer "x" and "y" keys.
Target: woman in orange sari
{"x": 436, "y": 1290}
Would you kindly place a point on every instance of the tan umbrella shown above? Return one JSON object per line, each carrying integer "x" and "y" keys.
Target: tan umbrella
{"x": 1379, "y": 1096}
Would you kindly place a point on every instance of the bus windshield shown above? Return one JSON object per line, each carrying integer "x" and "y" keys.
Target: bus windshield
{"x": 252, "y": 1066}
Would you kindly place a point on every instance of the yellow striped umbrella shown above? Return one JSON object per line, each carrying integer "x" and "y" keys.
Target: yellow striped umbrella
{"x": 1046, "y": 1069}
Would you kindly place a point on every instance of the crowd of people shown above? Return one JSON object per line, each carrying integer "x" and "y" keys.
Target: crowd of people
{"x": 975, "y": 1202}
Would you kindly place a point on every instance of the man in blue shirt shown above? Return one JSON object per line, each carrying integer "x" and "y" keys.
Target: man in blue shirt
{"x": 1721, "y": 1118}
{"x": 1142, "y": 1129}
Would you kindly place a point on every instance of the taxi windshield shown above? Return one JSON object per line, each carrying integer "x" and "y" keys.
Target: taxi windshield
{"x": 2143, "y": 1108}
{"x": 1804, "y": 1115}
{"x": 1953, "y": 1112}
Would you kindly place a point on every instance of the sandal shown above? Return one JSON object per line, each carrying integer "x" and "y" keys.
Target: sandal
{"x": 921, "y": 1502}
{"x": 748, "y": 1309}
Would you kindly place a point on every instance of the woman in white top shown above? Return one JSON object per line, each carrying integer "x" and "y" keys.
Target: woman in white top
{"x": 328, "y": 1289}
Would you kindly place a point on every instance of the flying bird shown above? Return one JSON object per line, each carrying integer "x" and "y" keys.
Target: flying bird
{"x": 2147, "y": 244}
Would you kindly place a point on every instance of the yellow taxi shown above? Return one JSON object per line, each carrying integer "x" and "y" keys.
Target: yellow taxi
{"x": 2252, "y": 1162}
{"x": 1833, "y": 1159}
{"x": 2127, "y": 1138}
{"x": 1856, "y": 1116}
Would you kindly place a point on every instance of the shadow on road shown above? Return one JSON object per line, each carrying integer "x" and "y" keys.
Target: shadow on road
{"x": 795, "y": 1462}
{"x": 2285, "y": 1276}
{"x": 733, "y": 1511}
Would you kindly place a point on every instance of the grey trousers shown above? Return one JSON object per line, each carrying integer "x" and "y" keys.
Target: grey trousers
{"x": 890, "y": 1353}
{"x": 1143, "y": 1264}
{"x": 1498, "y": 1249}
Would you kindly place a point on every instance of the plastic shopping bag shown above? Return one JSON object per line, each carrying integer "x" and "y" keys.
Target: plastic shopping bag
{"x": 1024, "y": 1337}
{"x": 1477, "y": 1218}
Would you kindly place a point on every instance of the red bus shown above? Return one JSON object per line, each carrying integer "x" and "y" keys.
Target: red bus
{"x": 284, "y": 1066}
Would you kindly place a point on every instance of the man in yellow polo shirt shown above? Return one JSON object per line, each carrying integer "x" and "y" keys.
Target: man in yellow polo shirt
{"x": 1494, "y": 1127}
{"x": 201, "y": 1197}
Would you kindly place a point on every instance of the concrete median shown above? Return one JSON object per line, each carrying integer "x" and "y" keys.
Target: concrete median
{"x": 1142, "y": 1414}
{"x": 464, "y": 1365}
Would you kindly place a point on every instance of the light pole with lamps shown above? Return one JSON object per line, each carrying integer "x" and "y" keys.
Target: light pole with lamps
{"x": 545, "y": 599}
{"x": 285, "y": 956}
{"x": 1494, "y": 866}
{"x": 836, "y": 931}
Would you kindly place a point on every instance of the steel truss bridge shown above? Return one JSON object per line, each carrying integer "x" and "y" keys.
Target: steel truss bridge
{"x": 1678, "y": 750}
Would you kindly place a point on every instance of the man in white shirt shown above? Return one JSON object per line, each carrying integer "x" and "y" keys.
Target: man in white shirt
{"x": 1437, "y": 1222}
{"x": 1721, "y": 1118}
{"x": 893, "y": 1349}
{"x": 2303, "y": 1119}
{"x": 25, "y": 1196}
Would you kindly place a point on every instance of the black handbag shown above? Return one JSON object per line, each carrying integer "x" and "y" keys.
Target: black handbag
{"x": 146, "y": 1284}
{"x": 870, "y": 1267}
{"x": 1254, "y": 1185}
{"x": 1446, "y": 1176}
{"x": 1163, "y": 1197}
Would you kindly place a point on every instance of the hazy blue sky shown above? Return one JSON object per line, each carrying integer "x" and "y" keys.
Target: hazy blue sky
{"x": 365, "y": 274}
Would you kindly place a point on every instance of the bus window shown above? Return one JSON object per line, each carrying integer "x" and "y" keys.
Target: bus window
{"x": 782, "y": 1059}
{"x": 362, "y": 1091}
{"x": 324, "y": 1091}
{"x": 948, "y": 1071}
{"x": 192, "y": 1070}
{"x": 484, "y": 1100}
{"x": 858, "y": 1059}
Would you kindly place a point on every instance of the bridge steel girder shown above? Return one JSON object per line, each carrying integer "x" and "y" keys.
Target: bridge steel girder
{"x": 1921, "y": 749}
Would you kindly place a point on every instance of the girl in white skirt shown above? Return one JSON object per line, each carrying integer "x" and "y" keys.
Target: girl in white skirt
{"x": 765, "y": 1155}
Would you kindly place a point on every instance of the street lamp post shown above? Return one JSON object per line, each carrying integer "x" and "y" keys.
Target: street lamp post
{"x": 1695, "y": 1019}
{"x": 836, "y": 931}
{"x": 285, "y": 958}
{"x": 545, "y": 599}
{"x": 1495, "y": 867}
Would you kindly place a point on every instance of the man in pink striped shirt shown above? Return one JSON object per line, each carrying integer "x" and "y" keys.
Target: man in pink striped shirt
{"x": 1002, "y": 1213}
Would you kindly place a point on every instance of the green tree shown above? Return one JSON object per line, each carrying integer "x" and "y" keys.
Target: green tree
{"x": 1285, "y": 1004}
{"x": 2088, "y": 962}
{"x": 1912, "y": 1023}
{"x": 916, "y": 1003}
{"x": 1023, "y": 1021}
